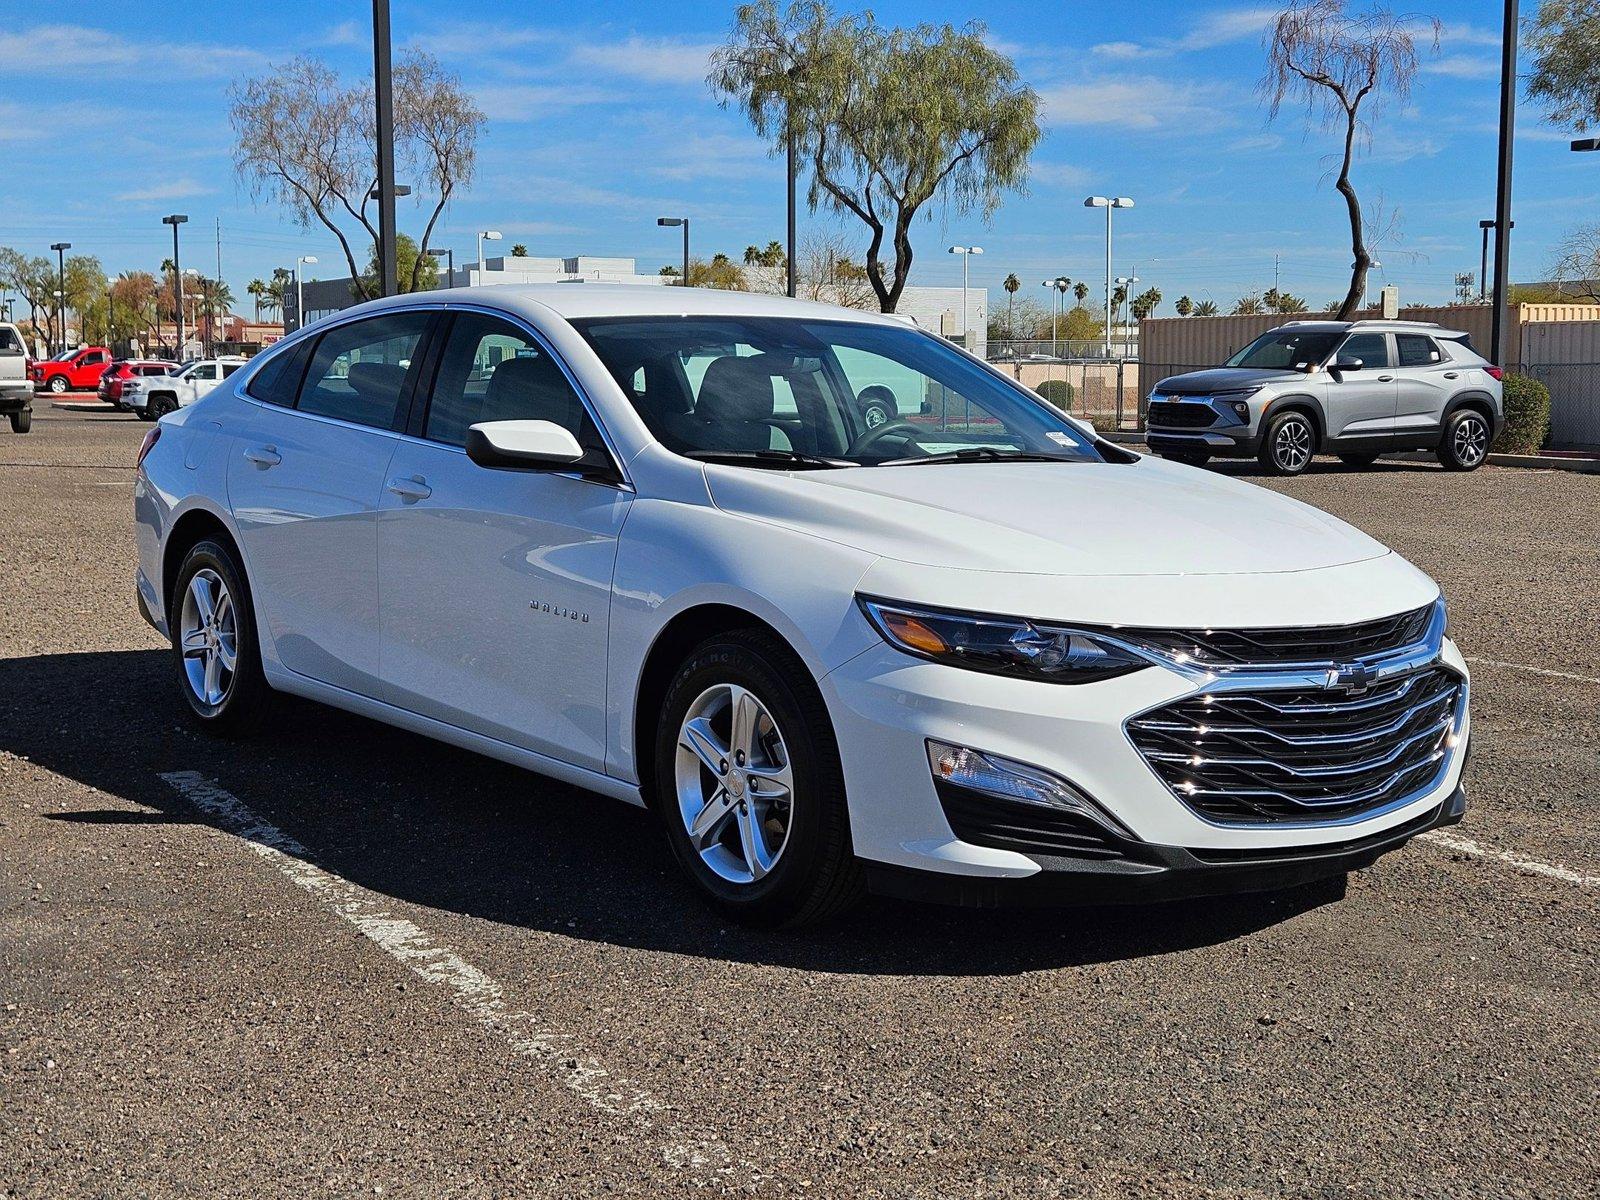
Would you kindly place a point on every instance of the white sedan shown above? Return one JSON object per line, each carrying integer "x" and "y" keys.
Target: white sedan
{"x": 644, "y": 541}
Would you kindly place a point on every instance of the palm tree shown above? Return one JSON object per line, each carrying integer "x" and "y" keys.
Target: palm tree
{"x": 1206, "y": 308}
{"x": 257, "y": 289}
{"x": 1081, "y": 291}
{"x": 1011, "y": 285}
{"x": 1185, "y": 306}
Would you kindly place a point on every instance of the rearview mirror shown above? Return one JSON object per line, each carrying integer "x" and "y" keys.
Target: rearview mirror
{"x": 523, "y": 445}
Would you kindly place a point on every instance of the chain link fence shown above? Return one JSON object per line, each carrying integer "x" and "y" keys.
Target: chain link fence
{"x": 1113, "y": 393}
{"x": 1574, "y": 402}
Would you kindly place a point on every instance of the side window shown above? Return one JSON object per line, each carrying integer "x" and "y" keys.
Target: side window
{"x": 359, "y": 371}
{"x": 278, "y": 380}
{"x": 1371, "y": 348}
{"x": 204, "y": 371}
{"x": 492, "y": 371}
{"x": 230, "y": 368}
{"x": 10, "y": 340}
{"x": 1417, "y": 351}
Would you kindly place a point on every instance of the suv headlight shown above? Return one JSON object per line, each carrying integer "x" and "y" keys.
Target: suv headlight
{"x": 1000, "y": 645}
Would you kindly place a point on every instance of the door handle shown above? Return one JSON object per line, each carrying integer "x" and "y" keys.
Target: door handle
{"x": 414, "y": 488}
{"x": 1385, "y": 378}
{"x": 264, "y": 456}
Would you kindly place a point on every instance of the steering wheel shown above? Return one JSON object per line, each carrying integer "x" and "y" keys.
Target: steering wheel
{"x": 881, "y": 433}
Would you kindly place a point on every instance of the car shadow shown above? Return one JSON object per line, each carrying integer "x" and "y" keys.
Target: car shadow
{"x": 443, "y": 828}
{"x": 1248, "y": 468}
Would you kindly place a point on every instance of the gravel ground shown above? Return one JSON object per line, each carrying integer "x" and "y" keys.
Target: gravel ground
{"x": 183, "y": 1013}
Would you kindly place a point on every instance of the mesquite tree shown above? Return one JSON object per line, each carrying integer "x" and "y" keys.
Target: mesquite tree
{"x": 887, "y": 119}
{"x": 1344, "y": 66}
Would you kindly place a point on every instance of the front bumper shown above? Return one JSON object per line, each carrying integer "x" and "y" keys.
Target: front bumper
{"x": 1238, "y": 441}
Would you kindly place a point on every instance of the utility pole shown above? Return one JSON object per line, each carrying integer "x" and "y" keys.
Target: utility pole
{"x": 383, "y": 95}
{"x": 1502, "y": 208}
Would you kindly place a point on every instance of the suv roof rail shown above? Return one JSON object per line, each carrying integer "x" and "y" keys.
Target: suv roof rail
{"x": 1365, "y": 321}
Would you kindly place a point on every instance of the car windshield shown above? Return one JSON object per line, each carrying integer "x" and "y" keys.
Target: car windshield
{"x": 1287, "y": 350}
{"x": 787, "y": 392}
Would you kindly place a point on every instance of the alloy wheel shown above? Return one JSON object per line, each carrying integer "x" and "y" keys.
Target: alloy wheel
{"x": 1291, "y": 447}
{"x": 208, "y": 636}
{"x": 58, "y": 384}
{"x": 735, "y": 783}
{"x": 1470, "y": 441}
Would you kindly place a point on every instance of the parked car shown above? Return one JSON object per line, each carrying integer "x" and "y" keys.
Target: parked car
{"x": 16, "y": 388}
{"x": 72, "y": 370}
{"x": 1353, "y": 388}
{"x": 643, "y": 541}
{"x": 152, "y": 397}
{"x": 123, "y": 369}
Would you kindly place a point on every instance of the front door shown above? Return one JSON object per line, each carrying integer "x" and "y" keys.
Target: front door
{"x": 1362, "y": 403}
{"x": 495, "y": 585}
{"x": 304, "y": 479}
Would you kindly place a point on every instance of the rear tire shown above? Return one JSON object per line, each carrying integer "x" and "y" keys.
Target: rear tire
{"x": 1360, "y": 461}
{"x": 214, "y": 647}
{"x": 22, "y": 421}
{"x": 1288, "y": 445}
{"x": 756, "y": 818}
{"x": 1465, "y": 444}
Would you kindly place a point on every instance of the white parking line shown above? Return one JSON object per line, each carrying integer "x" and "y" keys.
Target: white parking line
{"x": 1462, "y": 845}
{"x": 480, "y": 996}
{"x": 1511, "y": 666}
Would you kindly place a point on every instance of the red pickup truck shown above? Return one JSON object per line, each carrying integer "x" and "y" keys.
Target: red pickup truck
{"x": 71, "y": 371}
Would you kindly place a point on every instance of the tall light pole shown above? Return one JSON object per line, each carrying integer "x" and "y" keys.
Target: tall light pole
{"x": 383, "y": 100}
{"x": 485, "y": 235}
{"x": 1126, "y": 282}
{"x": 300, "y": 290}
{"x": 673, "y": 223}
{"x": 61, "y": 249}
{"x": 1502, "y": 206}
{"x": 176, "y": 219}
{"x": 1058, "y": 300}
{"x": 1108, "y": 203}
{"x": 966, "y": 253}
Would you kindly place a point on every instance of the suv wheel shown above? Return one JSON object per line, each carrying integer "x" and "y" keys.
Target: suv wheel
{"x": 1466, "y": 441}
{"x": 749, "y": 787}
{"x": 1290, "y": 441}
{"x": 159, "y": 405}
{"x": 214, "y": 640}
{"x": 57, "y": 384}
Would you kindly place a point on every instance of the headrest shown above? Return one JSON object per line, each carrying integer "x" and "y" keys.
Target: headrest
{"x": 377, "y": 380}
{"x": 736, "y": 389}
{"x": 531, "y": 389}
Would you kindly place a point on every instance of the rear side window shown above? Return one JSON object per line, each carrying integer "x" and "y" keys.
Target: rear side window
{"x": 360, "y": 371}
{"x": 1417, "y": 351}
{"x": 230, "y": 368}
{"x": 278, "y": 380}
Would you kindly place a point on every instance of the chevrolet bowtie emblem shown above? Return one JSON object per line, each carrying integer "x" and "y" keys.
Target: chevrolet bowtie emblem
{"x": 1353, "y": 678}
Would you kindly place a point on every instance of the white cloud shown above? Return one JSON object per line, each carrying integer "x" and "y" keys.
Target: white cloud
{"x": 1213, "y": 30}
{"x": 1460, "y": 66}
{"x": 177, "y": 189}
{"x": 654, "y": 60}
{"x": 1057, "y": 174}
{"x": 68, "y": 49}
{"x": 1262, "y": 141}
{"x": 530, "y": 101}
{"x": 1133, "y": 103}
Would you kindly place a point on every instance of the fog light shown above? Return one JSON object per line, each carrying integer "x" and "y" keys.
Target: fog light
{"x": 1243, "y": 409}
{"x": 1010, "y": 780}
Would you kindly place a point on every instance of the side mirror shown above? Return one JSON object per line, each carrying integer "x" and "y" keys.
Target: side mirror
{"x": 1345, "y": 363}
{"x": 1084, "y": 426}
{"x": 523, "y": 446}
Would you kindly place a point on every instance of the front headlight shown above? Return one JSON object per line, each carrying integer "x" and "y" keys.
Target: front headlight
{"x": 1000, "y": 645}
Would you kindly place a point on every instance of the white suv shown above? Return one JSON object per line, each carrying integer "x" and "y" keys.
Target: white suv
{"x": 1352, "y": 388}
{"x": 152, "y": 397}
{"x": 645, "y": 541}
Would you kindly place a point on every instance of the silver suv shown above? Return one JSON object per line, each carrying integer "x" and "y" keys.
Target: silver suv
{"x": 1352, "y": 388}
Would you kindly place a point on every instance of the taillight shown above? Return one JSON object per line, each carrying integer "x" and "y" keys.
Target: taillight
{"x": 149, "y": 444}
{"x": 1495, "y": 372}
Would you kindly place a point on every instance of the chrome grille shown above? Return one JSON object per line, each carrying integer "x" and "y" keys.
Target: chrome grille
{"x": 1292, "y": 644}
{"x": 1169, "y": 415}
{"x": 1302, "y": 754}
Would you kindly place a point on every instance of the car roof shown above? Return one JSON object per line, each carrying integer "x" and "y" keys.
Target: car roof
{"x": 577, "y": 301}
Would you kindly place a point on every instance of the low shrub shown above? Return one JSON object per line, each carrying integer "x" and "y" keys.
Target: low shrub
{"x": 1527, "y": 403}
{"x": 1057, "y": 392}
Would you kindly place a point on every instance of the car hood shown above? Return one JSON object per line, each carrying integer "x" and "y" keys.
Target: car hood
{"x": 1223, "y": 379}
{"x": 1148, "y": 517}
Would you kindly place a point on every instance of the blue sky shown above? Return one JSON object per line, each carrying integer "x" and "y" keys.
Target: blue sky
{"x": 600, "y": 121}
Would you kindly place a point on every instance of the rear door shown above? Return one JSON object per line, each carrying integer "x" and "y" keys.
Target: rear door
{"x": 304, "y": 478}
{"x": 1362, "y": 403}
{"x": 1426, "y": 378}
{"x": 495, "y": 585}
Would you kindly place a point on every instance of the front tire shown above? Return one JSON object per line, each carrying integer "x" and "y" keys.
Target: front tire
{"x": 57, "y": 384}
{"x": 1465, "y": 444}
{"x": 22, "y": 421}
{"x": 214, "y": 641}
{"x": 159, "y": 405}
{"x": 1289, "y": 444}
{"x": 749, "y": 787}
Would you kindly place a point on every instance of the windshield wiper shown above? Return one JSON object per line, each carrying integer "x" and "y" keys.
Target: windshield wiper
{"x": 977, "y": 454}
{"x": 770, "y": 458}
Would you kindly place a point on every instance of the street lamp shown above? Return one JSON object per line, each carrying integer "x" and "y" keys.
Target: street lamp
{"x": 1108, "y": 203}
{"x": 61, "y": 249}
{"x": 487, "y": 235}
{"x": 1058, "y": 302}
{"x": 1126, "y": 282}
{"x": 966, "y": 253}
{"x": 300, "y": 290}
{"x": 175, "y": 220}
{"x": 673, "y": 223}
{"x": 1483, "y": 266}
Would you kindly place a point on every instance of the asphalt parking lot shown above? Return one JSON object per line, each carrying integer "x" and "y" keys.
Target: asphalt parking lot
{"x": 339, "y": 960}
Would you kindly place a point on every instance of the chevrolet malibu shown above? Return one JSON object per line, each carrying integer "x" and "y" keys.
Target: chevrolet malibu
{"x": 644, "y": 541}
